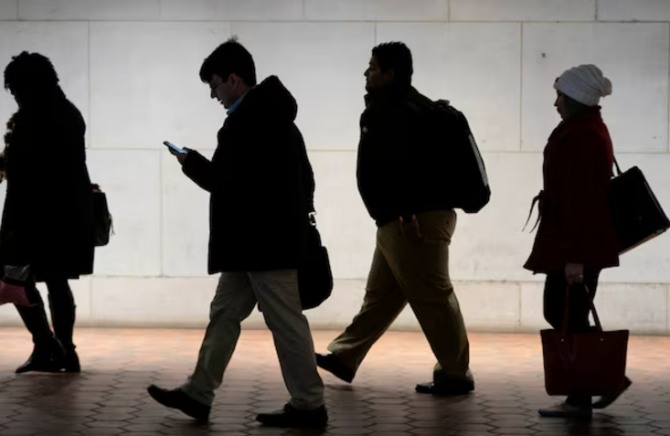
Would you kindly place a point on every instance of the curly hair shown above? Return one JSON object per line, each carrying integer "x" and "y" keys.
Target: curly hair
{"x": 30, "y": 72}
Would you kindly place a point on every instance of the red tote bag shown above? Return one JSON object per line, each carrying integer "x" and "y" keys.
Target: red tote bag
{"x": 584, "y": 363}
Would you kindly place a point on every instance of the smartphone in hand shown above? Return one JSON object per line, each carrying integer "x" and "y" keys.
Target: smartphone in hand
{"x": 173, "y": 148}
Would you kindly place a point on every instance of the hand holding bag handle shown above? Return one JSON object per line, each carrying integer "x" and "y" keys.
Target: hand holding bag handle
{"x": 566, "y": 311}
{"x": 584, "y": 363}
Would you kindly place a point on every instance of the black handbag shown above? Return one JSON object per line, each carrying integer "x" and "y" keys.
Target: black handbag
{"x": 102, "y": 219}
{"x": 636, "y": 213}
{"x": 315, "y": 278}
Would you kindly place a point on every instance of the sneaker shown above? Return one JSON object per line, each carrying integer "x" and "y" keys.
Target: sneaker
{"x": 334, "y": 365}
{"x": 565, "y": 410}
{"x": 289, "y": 416}
{"x": 177, "y": 399}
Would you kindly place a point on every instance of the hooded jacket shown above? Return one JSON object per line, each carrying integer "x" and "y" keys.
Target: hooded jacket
{"x": 261, "y": 184}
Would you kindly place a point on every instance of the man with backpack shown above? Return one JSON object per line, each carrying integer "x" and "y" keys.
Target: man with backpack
{"x": 402, "y": 181}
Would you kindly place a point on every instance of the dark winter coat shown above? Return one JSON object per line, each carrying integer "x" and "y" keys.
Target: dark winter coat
{"x": 47, "y": 219}
{"x": 397, "y": 171}
{"x": 576, "y": 225}
{"x": 261, "y": 184}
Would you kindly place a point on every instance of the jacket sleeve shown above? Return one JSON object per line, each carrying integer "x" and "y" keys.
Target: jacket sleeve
{"x": 19, "y": 240}
{"x": 199, "y": 169}
{"x": 29, "y": 179}
{"x": 306, "y": 172}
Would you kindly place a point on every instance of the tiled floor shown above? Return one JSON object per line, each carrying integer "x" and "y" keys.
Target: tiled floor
{"x": 109, "y": 397}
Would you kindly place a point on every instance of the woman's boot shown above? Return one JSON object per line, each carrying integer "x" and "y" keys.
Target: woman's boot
{"x": 63, "y": 313}
{"x": 48, "y": 354}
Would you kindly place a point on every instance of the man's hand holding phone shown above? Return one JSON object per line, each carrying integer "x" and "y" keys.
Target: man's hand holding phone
{"x": 179, "y": 152}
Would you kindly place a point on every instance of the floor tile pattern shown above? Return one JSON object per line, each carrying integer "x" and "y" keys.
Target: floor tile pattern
{"x": 109, "y": 396}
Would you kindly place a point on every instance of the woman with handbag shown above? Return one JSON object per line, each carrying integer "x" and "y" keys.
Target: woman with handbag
{"x": 47, "y": 215}
{"x": 575, "y": 238}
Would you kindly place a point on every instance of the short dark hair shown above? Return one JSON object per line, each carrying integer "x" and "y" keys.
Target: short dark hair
{"x": 228, "y": 58}
{"x": 395, "y": 56}
{"x": 29, "y": 73}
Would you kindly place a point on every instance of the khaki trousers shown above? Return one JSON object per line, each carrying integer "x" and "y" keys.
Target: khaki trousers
{"x": 276, "y": 292}
{"x": 411, "y": 265}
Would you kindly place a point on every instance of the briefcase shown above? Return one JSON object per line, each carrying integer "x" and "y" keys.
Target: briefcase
{"x": 636, "y": 213}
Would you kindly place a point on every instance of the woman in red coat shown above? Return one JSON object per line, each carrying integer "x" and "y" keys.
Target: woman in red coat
{"x": 576, "y": 238}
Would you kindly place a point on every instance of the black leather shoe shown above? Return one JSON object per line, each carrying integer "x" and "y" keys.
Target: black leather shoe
{"x": 332, "y": 364}
{"x": 454, "y": 387}
{"x": 289, "y": 416}
{"x": 177, "y": 399}
{"x": 44, "y": 360}
{"x": 606, "y": 400}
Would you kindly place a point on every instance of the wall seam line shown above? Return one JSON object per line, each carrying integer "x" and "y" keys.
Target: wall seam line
{"x": 88, "y": 85}
{"x": 521, "y": 54}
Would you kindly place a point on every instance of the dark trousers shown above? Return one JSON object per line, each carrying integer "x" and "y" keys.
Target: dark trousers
{"x": 62, "y": 308}
{"x": 555, "y": 289}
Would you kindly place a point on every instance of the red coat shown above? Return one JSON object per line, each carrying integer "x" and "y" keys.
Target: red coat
{"x": 575, "y": 224}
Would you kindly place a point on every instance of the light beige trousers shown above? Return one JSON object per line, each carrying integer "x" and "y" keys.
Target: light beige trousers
{"x": 276, "y": 292}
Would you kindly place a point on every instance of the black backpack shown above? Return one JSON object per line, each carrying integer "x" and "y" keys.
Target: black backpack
{"x": 467, "y": 182}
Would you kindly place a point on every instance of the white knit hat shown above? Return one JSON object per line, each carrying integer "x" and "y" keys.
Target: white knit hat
{"x": 585, "y": 84}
